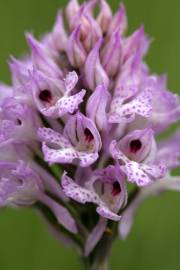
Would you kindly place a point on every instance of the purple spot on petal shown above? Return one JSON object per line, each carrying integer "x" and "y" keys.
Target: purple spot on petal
{"x": 45, "y": 95}
{"x": 116, "y": 188}
{"x": 88, "y": 135}
{"x": 19, "y": 122}
{"x": 135, "y": 146}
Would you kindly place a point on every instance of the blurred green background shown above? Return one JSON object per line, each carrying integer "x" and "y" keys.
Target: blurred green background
{"x": 154, "y": 242}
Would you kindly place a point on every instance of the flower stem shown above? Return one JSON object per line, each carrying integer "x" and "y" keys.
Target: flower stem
{"x": 97, "y": 265}
{"x": 104, "y": 265}
{"x": 99, "y": 258}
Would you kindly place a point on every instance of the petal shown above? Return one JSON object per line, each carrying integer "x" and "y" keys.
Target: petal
{"x": 127, "y": 218}
{"x": 106, "y": 213}
{"x": 19, "y": 184}
{"x": 95, "y": 236}
{"x": 63, "y": 237}
{"x": 6, "y": 91}
{"x": 139, "y": 173}
{"x": 19, "y": 121}
{"x": 169, "y": 151}
{"x": 61, "y": 213}
{"x": 92, "y": 31}
{"x": 83, "y": 195}
{"x": 119, "y": 22}
{"x": 130, "y": 78}
{"x": 155, "y": 171}
{"x": 50, "y": 183}
{"x": 76, "y": 129}
{"x": 94, "y": 72}
{"x": 70, "y": 104}
{"x": 57, "y": 39}
{"x": 123, "y": 196}
{"x": 78, "y": 193}
{"x": 46, "y": 91}
{"x": 20, "y": 70}
{"x": 168, "y": 183}
{"x": 61, "y": 151}
{"x": 141, "y": 105}
{"x": 50, "y": 136}
{"x": 137, "y": 145}
{"x": 143, "y": 174}
{"x": 70, "y": 81}
{"x": 111, "y": 55}
{"x": 75, "y": 50}
{"x": 160, "y": 121}
{"x": 166, "y": 106}
{"x": 138, "y": 41}
{"x": 63, "y": 155}
{"x": 71, "y": 11}
{"x": 55, "y": 102}
{"x": 84, "y": 159}
{"x": 70, "y": 130}
{"x": 11, "y": 150}
{"x": 87, "y": 123}
{"x": 116, "y": 153}
{"x": 82, "y": 174}
{"x": 105, "y": 16}
{"x": 97, "y": 106}
{"x": 68, "y": 155}
{"x": 42, "y": 59}
{"x": 171, "y": 183}
{"x": 110, "y": 184}
{"x": 135, "y": 174}
{"x": 89, "y": 6}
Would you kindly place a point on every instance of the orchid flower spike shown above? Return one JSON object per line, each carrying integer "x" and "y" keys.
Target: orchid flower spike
{"x": 79, "y": 127}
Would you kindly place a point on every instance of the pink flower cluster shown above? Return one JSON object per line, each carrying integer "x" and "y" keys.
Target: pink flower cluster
{"x": 80, "y": 122}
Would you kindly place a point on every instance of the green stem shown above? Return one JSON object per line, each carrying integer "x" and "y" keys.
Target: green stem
{"x": 99, "y": 258}
{"x": 102, "y": 266}
{"x": 98, "y": 266}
